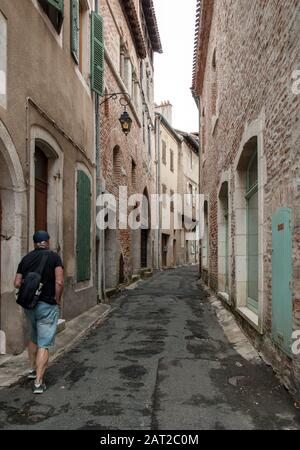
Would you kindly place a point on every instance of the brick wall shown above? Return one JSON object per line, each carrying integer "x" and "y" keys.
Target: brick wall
{"x": 133, "y": 147}
{"x": 257, "y": 48}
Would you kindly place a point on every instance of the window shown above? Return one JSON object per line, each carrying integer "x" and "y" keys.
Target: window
{"x": 252, "y": 234}
{"x": 116, "y": 163}
{"x": 203, "y": 136}
{"x": 172, "y": 160}
{"x": 191, "y": 159}
{"x": 149, "y": 141}
{"x": 128, "y": 71}
{"x": 248, "y": 230}
{"x": 172, "y": 201}
{"x": 122, "y": 60}
{"x": 190, "y": 194}
{"x": 78, "y": 13}
{"x": 164, "y": 153}
{"x": 205, "y": 240}
{"x": 3, "y": 60}
{"x": 55, "y": 11}
{"x": 164, "y": 192}
{"x": 214, "y": 86}
{"x": 133, "y": 174}
{"x": 83, "y": 248}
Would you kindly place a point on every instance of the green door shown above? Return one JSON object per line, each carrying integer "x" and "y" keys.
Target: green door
{"x": 84, "y": 212}
{"x": 282, "y": 306}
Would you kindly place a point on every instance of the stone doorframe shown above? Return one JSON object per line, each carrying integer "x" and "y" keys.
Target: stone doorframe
{"x": 253, "y": 132}
{"x": 41, "y": 137}
{"x": 224, "y": 184}
{"x": 14, "y": 203}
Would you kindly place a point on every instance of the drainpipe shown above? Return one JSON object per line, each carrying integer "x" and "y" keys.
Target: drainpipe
{"x": 99, "y": 233}
{"x": 158, "y": 212}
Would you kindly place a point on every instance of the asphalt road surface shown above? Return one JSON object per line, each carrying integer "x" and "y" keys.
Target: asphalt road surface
{"x": 161, "y": 361}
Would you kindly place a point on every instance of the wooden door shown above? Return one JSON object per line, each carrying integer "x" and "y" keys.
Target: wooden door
{"x": 164, "y": 249}
{"x": 121, "y": 270}
{"x": 144, "y": 248}
{"x": 174, "y": 253}
{"x": 41, "y": 190}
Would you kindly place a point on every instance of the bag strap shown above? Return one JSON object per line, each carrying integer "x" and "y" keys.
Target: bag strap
{"x": 43, "y": 262}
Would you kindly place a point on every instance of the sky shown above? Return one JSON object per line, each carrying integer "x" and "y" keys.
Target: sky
{"x": 173, "y": 69}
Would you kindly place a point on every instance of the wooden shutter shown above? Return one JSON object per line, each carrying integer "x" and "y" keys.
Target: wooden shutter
{"x": 97, "y": 54}
{"x": 83, "y": 227}
{"x": 75, "y": 29}
{"x": 57, "y": 4}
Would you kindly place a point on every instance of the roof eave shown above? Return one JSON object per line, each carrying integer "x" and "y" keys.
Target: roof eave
{"x": 204, "y": 16}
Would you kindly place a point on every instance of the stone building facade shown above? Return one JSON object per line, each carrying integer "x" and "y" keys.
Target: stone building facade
{"x": 246, "y": 55}
{"x": 47, "y": 150}
{"x": 188, "y": 184}
{"x": 130, "y": 37}
{"x": 177, "y": 174}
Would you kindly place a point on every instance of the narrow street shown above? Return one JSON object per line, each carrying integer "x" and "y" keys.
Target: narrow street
{"x": 161, "y": 361}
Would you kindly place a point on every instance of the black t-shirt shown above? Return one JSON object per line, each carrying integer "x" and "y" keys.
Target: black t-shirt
{"x": 31, "y": 262}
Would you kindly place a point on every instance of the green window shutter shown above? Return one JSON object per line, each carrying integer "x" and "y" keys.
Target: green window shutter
{"x": 75, "y": 28}
{"x": 58, "y": 4}
{"x": 84, "y": 211}
{"x": 97, "y": 54}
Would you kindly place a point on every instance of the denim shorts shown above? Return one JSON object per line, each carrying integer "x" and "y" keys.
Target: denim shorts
{"x": 43, "y": 323}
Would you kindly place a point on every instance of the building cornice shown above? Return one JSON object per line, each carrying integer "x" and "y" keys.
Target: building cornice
{"x": 134, "y": 22}
{"x": 204, "y": 16}
{"x": 150, "y": 17}
{"x": 169, "y": 127}
{"x": 190, "y": 141}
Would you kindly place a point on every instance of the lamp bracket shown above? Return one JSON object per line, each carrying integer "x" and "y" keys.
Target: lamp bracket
{"x": 124, "y": 98}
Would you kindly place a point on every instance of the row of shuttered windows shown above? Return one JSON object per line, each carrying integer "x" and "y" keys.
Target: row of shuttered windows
{"x": 55, "y": 11}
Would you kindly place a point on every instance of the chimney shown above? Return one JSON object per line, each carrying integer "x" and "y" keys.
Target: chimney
{"x": 165, "y": 109}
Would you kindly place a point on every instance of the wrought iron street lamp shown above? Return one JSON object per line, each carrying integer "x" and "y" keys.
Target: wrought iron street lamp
{"x": 126, "y": 122}
{"x": 125, "y": 119}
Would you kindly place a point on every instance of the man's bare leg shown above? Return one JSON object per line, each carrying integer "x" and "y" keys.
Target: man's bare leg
{"x": 32, "y": 354}
{"x": 41, "y": 364}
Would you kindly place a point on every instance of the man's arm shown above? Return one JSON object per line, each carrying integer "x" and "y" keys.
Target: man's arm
{"x": 18, "y": 280}
{"x": 59, "y": 283}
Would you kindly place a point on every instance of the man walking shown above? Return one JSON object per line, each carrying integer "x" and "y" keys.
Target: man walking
{"x": 44, "y": 317}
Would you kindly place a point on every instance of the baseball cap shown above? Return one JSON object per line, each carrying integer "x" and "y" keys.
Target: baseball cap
{"x": 41, "y": 236}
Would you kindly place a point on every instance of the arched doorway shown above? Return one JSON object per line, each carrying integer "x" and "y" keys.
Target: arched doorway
{"x": 223, "y": 239}
{"x": 12, "y": 218}
{"x": 111, "y": 270}
{"x": 145, "y": 231}
{"x": 121, "y": 269}
{"x": 41, "y": 190}
{"x": 46, "y": 187}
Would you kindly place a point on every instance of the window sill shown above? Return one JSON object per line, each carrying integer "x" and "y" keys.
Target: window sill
{"x": 250, "y": 317}
{"x": 83, "y": 285}
{"x": 224, "y": 296}
{"x": 83, "y": 81}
